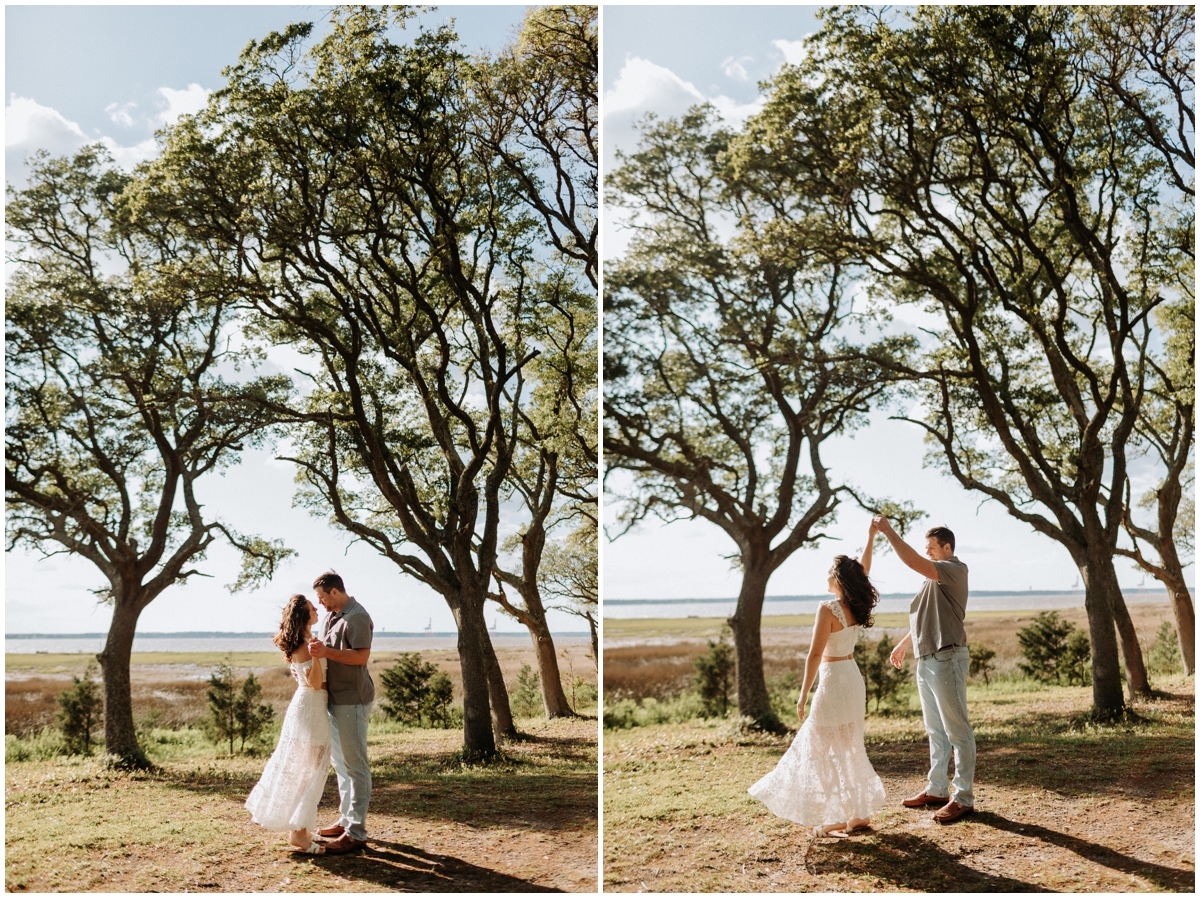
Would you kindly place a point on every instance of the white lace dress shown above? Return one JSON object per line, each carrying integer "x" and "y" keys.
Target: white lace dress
{"x": 291, "y": 784}
{"x": 826, "y": 776}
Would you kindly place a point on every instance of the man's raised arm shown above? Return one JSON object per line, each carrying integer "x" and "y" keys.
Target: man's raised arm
{"x": 905, "y": 552}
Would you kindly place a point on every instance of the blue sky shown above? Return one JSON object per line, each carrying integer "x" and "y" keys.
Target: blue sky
{"x": 77, "y": 74}
{"x": 664, "y": 59}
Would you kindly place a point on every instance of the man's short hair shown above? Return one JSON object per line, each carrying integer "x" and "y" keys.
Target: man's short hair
{"x": 942, "y": 535}
{"x": 329, "y": 580}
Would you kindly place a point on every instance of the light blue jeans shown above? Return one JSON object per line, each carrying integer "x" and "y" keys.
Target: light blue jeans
{"x": 942, "y": 685}
{"x": 349, "y": 724}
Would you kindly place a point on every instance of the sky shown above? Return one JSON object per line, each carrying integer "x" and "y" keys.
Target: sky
{"x": 114, "y": 74}
{"x": 664, "y": 60}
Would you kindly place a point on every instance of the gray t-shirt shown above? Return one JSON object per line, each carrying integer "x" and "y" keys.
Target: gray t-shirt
{"x": 350, "y": 628}
{"x": 936, "y": 614}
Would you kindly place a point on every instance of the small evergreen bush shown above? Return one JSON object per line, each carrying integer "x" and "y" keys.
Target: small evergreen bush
{"x": 883, "y": 680}
{"x": 1164, "y": 657}
{"x": 79, "y": 712}
{"x": 981, "y": 661}
{"x": 406, "y": 686}
{"x": 714, "y": 676}
{"x": 234, "y": 713}
{"x": 527, "y": 696}
{"x": 1054, "y": 650}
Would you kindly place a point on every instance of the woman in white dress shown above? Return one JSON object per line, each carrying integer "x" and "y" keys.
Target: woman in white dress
{"x": 825, "y": 779}
{"x": 286, "y": 797}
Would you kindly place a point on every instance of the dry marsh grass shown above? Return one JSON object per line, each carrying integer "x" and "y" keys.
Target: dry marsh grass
{"x": 661, "y": 662}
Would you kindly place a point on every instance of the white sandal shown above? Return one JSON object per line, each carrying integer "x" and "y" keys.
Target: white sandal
{"x": 314, "y": 847}
{"x": 818, "y": 831}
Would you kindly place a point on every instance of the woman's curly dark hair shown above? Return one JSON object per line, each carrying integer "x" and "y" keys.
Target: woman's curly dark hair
{"x": 856, "y": 588}
{"x": 291, "y": 629}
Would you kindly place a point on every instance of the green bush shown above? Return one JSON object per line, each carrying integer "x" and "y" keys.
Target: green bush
{"x": 1055, "y": 650}
{"x": 79, "y": 712}
{"x": 714, "y": 676}
{"x": 233, "y": 712}
{"x": 526, "y": 698}
{"x": 883, "y": 680}
{"x": 44, "y": 745}
{"x": 406, "y": 687}
{"x": 436, "y": 704}
{"x": 1164, "y": 656}
{"x": 626, "y": 713}
{"x": 981, "y": 661}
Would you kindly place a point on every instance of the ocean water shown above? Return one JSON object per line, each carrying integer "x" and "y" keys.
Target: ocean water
{"x": 978, "y": 601}
{"x": 256, "y": 642}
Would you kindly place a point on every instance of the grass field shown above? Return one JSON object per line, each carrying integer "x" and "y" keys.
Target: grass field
{"x": 1062, "y": 805}
{"x": 528, "y": 824}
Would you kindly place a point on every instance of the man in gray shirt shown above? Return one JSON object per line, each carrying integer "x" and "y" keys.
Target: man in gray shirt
{"x": 940, "y": 643}
{"x": 345, "y": 643}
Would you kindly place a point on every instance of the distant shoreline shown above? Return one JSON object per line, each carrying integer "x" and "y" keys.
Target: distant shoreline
{"x": 1000, "y": 593}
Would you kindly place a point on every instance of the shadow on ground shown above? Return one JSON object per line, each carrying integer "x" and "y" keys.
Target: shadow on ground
{"x": 1167, "y": 878}
{"x": 395, "y": 866}
{"x": 910, "y": 862}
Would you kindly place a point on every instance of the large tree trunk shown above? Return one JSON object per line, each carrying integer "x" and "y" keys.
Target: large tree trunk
{"x": 554, "y": 700}
{"x": 596, "y": 641}
{"x": 1181, "y": 602}
{"x": 1131, "y": 649}
{"x": 1100, "y": 583}
{"x": 120, "y": 733}
{"x": 753, "y": 699}
{"x": 479, "y": 742}
{"x": 502, "y": 719}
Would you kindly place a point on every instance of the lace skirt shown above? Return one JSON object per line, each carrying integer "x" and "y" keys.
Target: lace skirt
{"x": 826, "y": 776}
{"x": 287, "y": 794}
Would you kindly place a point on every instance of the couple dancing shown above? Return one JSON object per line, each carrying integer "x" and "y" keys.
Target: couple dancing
{"x": 325, "y": 722}
{"x": 825, "y": 779}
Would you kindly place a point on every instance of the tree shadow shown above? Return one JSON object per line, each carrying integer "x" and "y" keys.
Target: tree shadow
{"x": 1143, "y": 765}
{"x": 395, "y": 866}
{"x": 910, "y": 862}
{"x": 1168, "y": 878}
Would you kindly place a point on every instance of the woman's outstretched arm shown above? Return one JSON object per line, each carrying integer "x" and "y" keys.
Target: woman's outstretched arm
{"x": 866, "y": 559}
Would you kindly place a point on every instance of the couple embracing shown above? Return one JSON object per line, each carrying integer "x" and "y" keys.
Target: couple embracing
{"x": 825, "y": 779}
{"x": 325, "y": 723}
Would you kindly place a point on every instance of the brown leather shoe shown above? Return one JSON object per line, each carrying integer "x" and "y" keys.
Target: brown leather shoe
{"x": 331, "y": 832}
{"x": 344, "y": 844}
{"x": 919, "y": 801}
{"x": 953, "y": 811}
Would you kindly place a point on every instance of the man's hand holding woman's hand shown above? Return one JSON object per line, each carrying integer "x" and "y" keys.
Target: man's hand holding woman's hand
{"x": 882, "y": 525}
{"x": 318, "y": 649}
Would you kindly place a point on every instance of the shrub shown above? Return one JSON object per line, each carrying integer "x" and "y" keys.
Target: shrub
{"x": 44, "y": 745}
{"x": 234, "y": 713}
{"x": 406, "y": 686}
{"x": 78, "y": 712}
{"x": 527, "y": 696}
{"x": 1053, "y": 648}
{"x": 883, "y": 680}
{"x": 436, "y": 704}
{"x": 981, "y": 661}
{"x": 627, "y": 713}
{"x": 1164, "y": 657}
{"x": 714, "y": 676}
{"x": 1076, "y": 663}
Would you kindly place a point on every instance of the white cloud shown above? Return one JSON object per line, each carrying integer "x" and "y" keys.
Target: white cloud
{"x": 119, "y": 113}
{"x": 642, "y": 85}
{"x": 188, "y": 101}
{"x": 28, "y": 123}
{"x": 30, "y": 126}
{"x": 735, "y": 113}
{"x": 733, "y": 68}
{"x": 793, "y": 51}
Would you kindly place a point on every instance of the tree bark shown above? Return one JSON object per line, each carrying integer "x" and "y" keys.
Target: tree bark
{"x": 1181, "y": 597}
{"x": 1100, "y": 584}
{"x": 502, "y": 719}
{"x": 120, "y": 733}
{"x": 554, "y": 700}
{"x": 479, "y": 742}
{"x": 752, "y": 696}
{"x": 1131, "y": 649}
